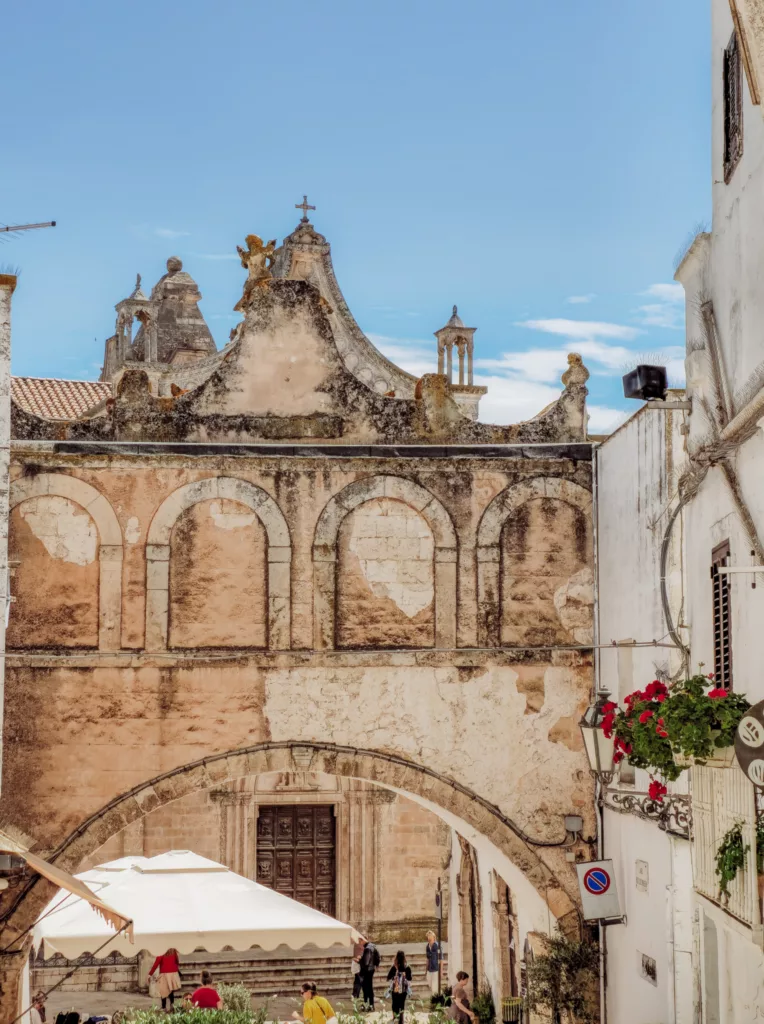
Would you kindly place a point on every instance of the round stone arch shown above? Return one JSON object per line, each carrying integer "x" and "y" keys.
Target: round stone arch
{"x": 488, "y": 549}
{"x": 158, "y": 555}
{"x": 464, "y": 809}
{"x": 110, "y": 550}
{"x": 325, "y": 553}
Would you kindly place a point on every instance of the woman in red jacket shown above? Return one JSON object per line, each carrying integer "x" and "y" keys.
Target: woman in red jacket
{"x": 169, "y": 978}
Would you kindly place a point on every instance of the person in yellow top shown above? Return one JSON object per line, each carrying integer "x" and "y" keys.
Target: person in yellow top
{"x": 315, "y": 1009}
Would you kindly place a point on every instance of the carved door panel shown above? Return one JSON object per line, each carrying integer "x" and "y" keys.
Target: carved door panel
{"x": 296, "y": 853}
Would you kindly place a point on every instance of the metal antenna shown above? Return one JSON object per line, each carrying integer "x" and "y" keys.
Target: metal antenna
{"x": 15, "y": 228}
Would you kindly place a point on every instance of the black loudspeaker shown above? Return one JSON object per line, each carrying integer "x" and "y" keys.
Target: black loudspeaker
{"x": 645, "y": 383}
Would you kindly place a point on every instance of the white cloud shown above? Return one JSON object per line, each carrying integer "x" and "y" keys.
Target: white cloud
{"x": 170, "y": 233}
{"x": 668, "y": 311}
{"x": 666, "y": 292}
{"x": 415, "y": 356}
{"x": 580, "y": 300}
{"x": 582, "y": 329}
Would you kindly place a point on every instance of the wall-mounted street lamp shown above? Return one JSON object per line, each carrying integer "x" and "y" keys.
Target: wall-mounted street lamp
{"x": 599, "y": 749}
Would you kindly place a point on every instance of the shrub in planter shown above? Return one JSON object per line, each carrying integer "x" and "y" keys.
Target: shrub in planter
{"x": 563, "y": 981}
{"x": 690, "y": 719}
{"x": 484, "y": 1007}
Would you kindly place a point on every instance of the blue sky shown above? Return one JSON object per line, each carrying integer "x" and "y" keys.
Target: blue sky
{"x": 538, "y": 164}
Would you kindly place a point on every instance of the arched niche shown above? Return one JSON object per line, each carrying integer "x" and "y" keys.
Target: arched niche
{"x": 325, "y": 551}
{"x": 489, "y": 538}
{"x": 100, "y": 511}
{"x": 279, "y": 555}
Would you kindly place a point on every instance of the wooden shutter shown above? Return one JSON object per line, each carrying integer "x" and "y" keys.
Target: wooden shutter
{"x": 722, "y": 624}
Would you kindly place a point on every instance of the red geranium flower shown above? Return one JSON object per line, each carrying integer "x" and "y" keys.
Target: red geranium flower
{"x": 718, "y": 693}
{"x": 610, "y": 706}
{"x": 656, "y": 791}
{"x": 656, "y": 690}
{"x": 645, "y": 716}
{"x": 617, "y": 757}
{"x": 660, "y": 697}
{"x": 661, "y": 732}
{"x": 710, "y": 676}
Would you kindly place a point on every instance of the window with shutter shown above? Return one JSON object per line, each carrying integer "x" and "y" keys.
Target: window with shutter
{"x": 733, "y": 107}
{"x": 720, "y": 583}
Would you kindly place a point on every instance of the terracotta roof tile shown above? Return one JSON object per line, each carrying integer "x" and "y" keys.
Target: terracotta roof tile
{"x": 58, "y": 399}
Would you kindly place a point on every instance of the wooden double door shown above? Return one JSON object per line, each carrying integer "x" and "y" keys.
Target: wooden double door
{"x": 296, "y": 853}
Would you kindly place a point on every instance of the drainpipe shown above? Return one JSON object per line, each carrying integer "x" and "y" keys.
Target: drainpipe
{"x": 598, "y": 794}
{"x": 7, "y": 286}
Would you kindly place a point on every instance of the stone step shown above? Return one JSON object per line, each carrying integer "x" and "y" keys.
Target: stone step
{"x": 267, "y": 975}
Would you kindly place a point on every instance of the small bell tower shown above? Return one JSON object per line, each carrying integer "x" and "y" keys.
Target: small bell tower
{"x": 456, "y": 336}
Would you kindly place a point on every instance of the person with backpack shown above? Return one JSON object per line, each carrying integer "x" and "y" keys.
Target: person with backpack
{"x": 399, "y": 977}
{"x": 370, "y": 961}
{"x": 355, "y": 965}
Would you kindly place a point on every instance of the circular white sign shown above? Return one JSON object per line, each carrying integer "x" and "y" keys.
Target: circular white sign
{"x": 751, "y": 731}
{"x": 756, "y": 772}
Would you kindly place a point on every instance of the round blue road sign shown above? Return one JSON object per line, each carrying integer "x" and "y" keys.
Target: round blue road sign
{"x": 596, "y": 881}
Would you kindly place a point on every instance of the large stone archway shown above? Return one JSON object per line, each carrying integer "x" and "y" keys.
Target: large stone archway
{"x": 468, "y": 812}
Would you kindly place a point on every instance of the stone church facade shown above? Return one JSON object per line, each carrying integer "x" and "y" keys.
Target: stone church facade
{"x": 285, "y": 591}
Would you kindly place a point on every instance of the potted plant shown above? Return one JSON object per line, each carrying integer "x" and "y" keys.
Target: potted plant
{"x": 730, "y": 858}
{"x": 663, "y": 729}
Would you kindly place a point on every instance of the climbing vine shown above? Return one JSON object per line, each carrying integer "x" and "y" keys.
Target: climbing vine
{"x": 730, "y": 857}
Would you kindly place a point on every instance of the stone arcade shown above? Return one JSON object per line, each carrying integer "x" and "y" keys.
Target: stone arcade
{"x": 289, "y": 606}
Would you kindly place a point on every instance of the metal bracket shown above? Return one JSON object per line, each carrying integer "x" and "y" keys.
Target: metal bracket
{"x": 654, "y": 403}
{"x": 673, "y": 814}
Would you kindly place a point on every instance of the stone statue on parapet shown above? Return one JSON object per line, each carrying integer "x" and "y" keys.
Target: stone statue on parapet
{"x": 576, "y": 374}
{"x": 258, "y": 259}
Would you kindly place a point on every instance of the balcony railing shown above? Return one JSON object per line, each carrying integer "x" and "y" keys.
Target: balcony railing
{"x": 721, "y": 799}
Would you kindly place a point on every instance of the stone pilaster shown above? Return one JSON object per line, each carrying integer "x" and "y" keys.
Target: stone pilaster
{"x": 7, "y": 286}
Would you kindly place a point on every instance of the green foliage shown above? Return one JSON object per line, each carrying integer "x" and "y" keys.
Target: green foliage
{"x": 442, "y": 998}
{"x": 760, "y": 846}
{"x": 235, "y": 997}
{"x": 156, "y": 1015}
{"x": 730, "y": 857}
{"x": 564, "y": 980}
{"x": 483, "y": 1006}
{"x": 438, "y": 1015}
{"x": 697, "y": 724}
{"x": 661, "y": 722}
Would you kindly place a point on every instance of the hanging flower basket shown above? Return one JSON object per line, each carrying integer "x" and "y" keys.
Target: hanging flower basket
{"x": 665, "y": 729}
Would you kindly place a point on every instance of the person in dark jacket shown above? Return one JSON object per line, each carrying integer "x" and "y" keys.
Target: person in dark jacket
{"x": 369, "y": 962}
{"x": 358, "y": 948}
{"x": 432, "y": 952}
{"x": 399, "y": 977}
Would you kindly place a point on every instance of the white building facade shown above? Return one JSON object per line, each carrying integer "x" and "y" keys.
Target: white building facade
{"x": 683, "y": 955}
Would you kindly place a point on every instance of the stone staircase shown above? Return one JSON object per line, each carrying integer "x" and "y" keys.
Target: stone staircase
{"x": 281, "y": 972}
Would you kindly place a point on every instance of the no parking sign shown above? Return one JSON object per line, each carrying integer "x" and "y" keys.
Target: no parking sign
{"x": 599, "y": 896}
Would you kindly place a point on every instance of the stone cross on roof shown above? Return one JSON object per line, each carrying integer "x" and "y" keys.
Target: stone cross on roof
{"x": 304, "y": 206}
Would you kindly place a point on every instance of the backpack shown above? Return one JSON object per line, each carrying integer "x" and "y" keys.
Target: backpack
{"x": 401, "y": 983}
{"x": 371, "y": 958}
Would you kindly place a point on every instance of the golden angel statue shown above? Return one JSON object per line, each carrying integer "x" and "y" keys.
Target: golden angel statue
{"x": 257, "y": 259}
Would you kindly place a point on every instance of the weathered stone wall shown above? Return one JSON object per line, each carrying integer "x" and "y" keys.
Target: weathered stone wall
{"x": 218, "y": 596}
{"x": 385, "y": 578}
{"x": 488, "y": 736}
{"x": 55, "y": 583}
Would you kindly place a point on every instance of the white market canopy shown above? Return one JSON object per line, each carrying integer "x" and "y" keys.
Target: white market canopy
{"x": 185, "y": 901}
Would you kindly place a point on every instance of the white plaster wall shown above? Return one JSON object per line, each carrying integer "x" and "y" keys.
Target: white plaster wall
{"x": 740, "y": 970}
{"x": 637, "y": 472}
{"x": 737, "y": 243}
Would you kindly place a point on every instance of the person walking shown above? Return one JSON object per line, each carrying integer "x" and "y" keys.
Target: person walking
{"x": 355, "y": 965}
{"x": 37, "y": 1010}
{"x": 399, "y": 977}
{"x": 369, "y": 962}
{"x": 460, "y": 1003}
{"x": 315, "y": 1009}
{"x": 432, "y": 952}
{"x": 206, "y": 997}
{"x": 169, "y": 976}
